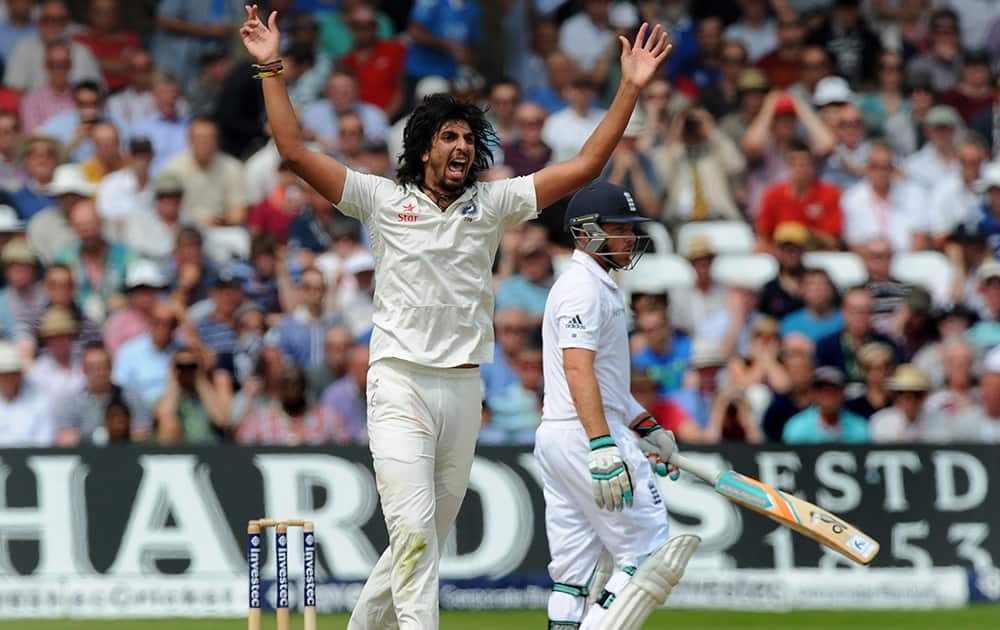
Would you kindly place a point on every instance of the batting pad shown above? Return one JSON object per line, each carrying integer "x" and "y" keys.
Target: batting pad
{"x": 651, "y": 584}
{"x": 602, "y": 573}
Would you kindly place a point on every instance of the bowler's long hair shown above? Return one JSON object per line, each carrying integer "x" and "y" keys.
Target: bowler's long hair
{"x": 423, "y": 125}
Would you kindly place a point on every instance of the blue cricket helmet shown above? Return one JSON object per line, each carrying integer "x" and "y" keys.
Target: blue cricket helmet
{"x": 601, "y": 202}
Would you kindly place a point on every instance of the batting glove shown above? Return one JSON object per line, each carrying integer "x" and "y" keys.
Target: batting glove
{"x": 611, "y": 479}
{"x": 658, "y": 444}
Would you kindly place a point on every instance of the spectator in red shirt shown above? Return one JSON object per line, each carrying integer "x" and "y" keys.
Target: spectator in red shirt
{"x": 803, "y": 199}
{"x": 111, "y": 47}
{"x": 274, "y": 214}
{"x": 378, "y": 63}
{"x": 783, "y": 66}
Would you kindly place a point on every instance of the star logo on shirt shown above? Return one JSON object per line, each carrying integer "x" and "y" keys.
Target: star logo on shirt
{"x": 409, "y": 207}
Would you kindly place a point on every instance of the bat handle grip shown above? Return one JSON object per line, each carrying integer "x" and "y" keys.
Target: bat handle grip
{"x": 695, "y": 468}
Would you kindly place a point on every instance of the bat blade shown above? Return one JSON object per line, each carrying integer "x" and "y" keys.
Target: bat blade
{"x": 802, "y": 516}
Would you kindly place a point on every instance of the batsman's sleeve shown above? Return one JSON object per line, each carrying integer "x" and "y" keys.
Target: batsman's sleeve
{"x": 577, "y": 315}
{"x": 513, "y": 200}
{"x": 361, "y": 194}
{"x": 634, "y": 409}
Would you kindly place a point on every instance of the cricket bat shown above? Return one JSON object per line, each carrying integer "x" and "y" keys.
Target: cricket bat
{"x": 804, "y": 517}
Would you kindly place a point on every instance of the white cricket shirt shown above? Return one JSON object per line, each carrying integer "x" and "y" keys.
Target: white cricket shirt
{"x": 585, "y": 309}
{"x": 433, "y": 269}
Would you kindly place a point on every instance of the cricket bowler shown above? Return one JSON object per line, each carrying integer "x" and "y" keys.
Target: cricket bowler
{"x": 434, "y": 236}
{"x": 596, "y": 444}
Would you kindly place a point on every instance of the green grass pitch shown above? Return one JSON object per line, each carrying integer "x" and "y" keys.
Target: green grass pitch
{"x": 972, "y": 618}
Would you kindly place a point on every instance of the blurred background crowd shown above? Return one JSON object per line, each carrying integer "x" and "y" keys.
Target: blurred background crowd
{"x": 820, "y": 175}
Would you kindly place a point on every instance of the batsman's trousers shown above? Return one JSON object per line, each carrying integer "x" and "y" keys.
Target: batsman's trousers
{"x": 577, "y": 530}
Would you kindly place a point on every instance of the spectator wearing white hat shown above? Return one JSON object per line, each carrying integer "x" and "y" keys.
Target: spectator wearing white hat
{"x": 49, "y": 231}
{"x": 846, "y": 165}
{"x": 988, "y": 430}
{"x": 25, "y": 413}
{"x": 356, "y": 295}
{"x": 11, "y": 227}
{"x": 985, "y": 334}
{"x": 906, "y": 420}
{"x": 144, "y": 281}
{"x": 936, "y": 159}
{"x": 831, "y": 92}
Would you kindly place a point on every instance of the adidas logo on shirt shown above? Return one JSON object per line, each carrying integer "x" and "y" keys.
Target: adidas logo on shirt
{"x": 575, "y": 322}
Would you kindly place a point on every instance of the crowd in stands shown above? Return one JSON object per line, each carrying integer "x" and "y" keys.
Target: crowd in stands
{"x": 823, "y": 178}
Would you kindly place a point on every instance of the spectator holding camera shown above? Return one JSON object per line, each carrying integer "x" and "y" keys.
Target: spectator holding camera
{"x": 289, "y": 421}
{"x": 696, "y": 166}
{"x": 190, "y": 411}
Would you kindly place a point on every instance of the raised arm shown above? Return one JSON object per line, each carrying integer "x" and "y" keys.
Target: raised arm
{"x": 321, "y": 171}
{"x": 639, "y": 62}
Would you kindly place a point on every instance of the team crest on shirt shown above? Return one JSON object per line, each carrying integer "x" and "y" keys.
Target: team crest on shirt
{"x": 814, "y": 210}
{"x": 469, "y": 212}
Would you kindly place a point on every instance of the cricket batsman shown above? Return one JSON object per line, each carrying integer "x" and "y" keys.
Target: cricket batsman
{"x": 596, "y": 446}
{"x": 434, "y": 236}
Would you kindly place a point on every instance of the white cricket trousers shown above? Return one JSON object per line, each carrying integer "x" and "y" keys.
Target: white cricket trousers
{"x": 578, "y": 531}
{"x": 422, "y": 428}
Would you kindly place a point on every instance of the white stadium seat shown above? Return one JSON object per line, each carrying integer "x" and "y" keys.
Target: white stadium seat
{"x": 657, "y": 273}
{"x": 930, "y": 270}
{"x": 726, "y": 237}
{"x": 223, "y": 244}
{"x": 658, "y": 234}
{"x": 749, "y": 271}
{"x": 845, "y": 268}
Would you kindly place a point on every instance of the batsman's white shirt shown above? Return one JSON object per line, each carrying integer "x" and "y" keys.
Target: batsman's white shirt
{"x": 433, "y": 281}
{"x": 585, "y": 309}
